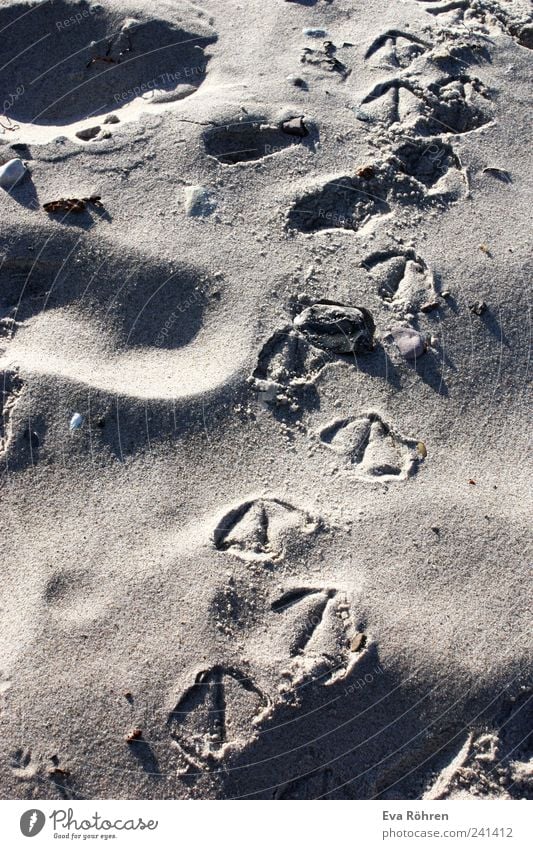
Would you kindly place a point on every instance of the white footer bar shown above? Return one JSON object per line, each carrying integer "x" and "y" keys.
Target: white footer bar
{"x": 259, "y": 825}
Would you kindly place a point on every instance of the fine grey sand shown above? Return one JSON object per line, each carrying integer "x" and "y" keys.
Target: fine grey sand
{"x": 264, "y": 434}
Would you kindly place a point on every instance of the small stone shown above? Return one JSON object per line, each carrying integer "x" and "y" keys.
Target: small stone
{"x": 361, "y": 115}
{"x": 111, "y": 119}
{"x": 429, "y": 306}
{"x": 358, "y": 642}
{"x": 478, "y": 308}
{"x": 525, "y": 36}
{"x": 315, "y": 32}
{"x": 11, "y": 172}
{"x": 76, "y": 421}
{"x": 199, "y": 202}
{"x": 88, "y": 133}
{"x": 134, "y": 734}
{"x": 295, "y": 127}
{"x": 410, "y": 343}
{"x": 297, "y": 81}
{"x": 366, "y": 172}
{"x": 337, "y": 328}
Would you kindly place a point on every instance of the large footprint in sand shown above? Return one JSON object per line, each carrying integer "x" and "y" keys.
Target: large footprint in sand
{"x": 68, "y": 60}
{"x": 254, "y": 139}
{"x": 427, "y": 171}
{"x": 112, "y": 317}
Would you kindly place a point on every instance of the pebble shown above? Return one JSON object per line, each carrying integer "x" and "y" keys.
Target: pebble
{"x": 134, "y": 734}
{"x": 361, "y": 115}
{"x": 88, "y": 133}
{"x": 358, "y": 642}
{"x": 76, "y": 421}
{"x": 297, "y": 81}
{"x": 295, "y": 127}
{"x": 199, "y": 201}
{"x": 525, "y": 36}
{"x": 478, "y": 308}
{"x": 11, "y": 172}
{"x": 410, "y": 343}
{"x": 337, "y": 328}
{"x": 315, "y": 32}
{"x": 111, "y": 119}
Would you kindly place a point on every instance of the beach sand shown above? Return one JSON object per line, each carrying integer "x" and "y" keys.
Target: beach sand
{"x": 264, "y": 434}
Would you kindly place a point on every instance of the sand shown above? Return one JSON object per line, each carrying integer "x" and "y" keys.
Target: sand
{"x": 263, "y": 562}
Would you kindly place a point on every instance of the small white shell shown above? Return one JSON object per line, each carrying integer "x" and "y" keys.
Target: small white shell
{"x": 76, "y": 421}
{"x": 11, "y": 172}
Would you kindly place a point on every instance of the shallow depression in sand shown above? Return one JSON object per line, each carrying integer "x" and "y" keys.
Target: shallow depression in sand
{"x": 65, "y": 61}
{"x": 115, "y": 318}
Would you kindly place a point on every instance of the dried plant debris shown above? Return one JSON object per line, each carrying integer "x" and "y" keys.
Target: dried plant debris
{"x": 76, "y": 205}
{"x": 118, "y": 47}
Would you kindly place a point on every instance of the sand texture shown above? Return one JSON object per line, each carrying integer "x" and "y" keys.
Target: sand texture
{"x": 264, "y": 339}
